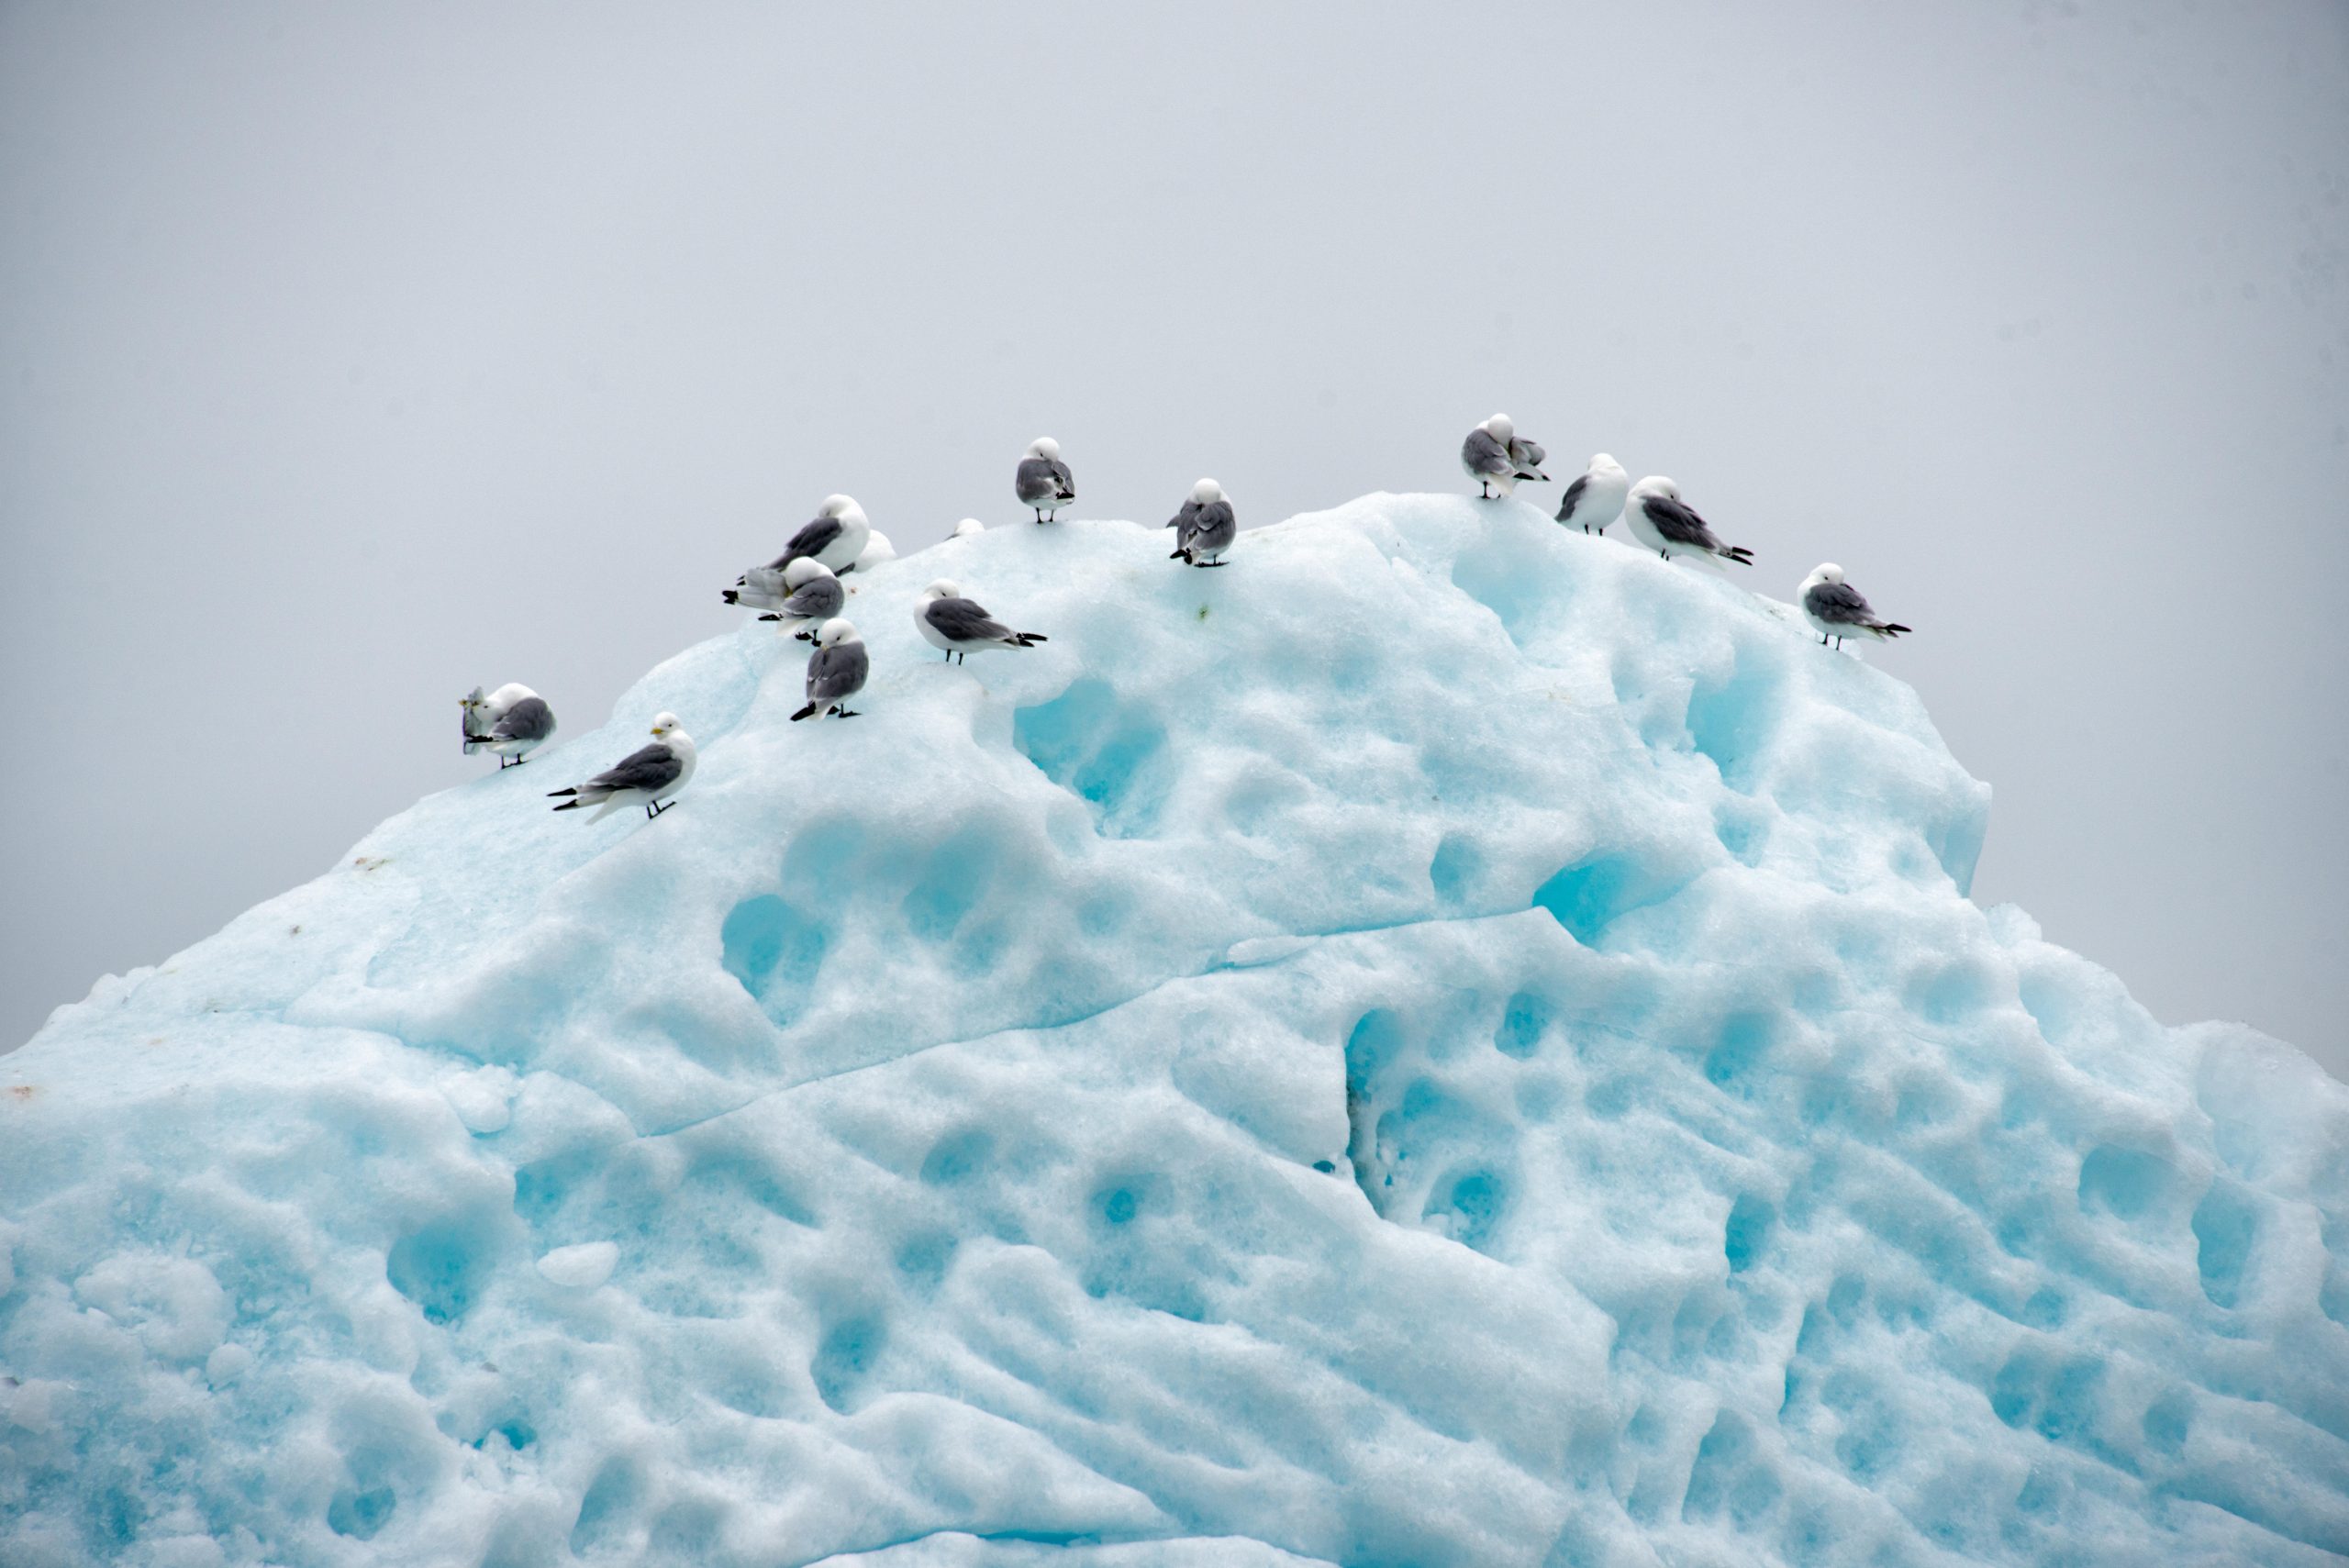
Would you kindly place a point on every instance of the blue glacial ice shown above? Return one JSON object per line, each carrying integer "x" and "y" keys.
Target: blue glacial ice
{"x": 1449, "y": 1042}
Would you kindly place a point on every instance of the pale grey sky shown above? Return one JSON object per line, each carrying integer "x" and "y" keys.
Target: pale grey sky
{"x": 351, "y": 356}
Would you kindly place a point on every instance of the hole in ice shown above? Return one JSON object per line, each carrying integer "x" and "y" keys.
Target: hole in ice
{"x": 746, "y": 1383}
{"x": 952, "y": 885}
{"x": 1587, "y": 897}
{"x": 1454, "y": 872}
{"x": 1522, "y": 1025}
{"x": 2225, "y": 1225}
{"x": 1121, "y": 1200}
{"x": 1728, "y": 1476}
{"x": 359, "y": 1515}
{"x": 443, "y": 1266}
{"x": 1743, "y": 832}
{"x": 1100, "y": 748}
{"x": 2125, "y": 1182}
{"x": 1466, "y": 1205}
{"x": 1526, "y": 601}
{"x": 2046, "y": 1308}
{"x": 766, "y": 943}
{"x": 1729, "y": 720}
{"x": 958, "y": 1156}
{"x": 1375, "y": 1040}
{"x": 924, "y": 1258}
{"x": 2168, "y": 1419}
{"x": 849, "y": 1350}
{"x": 686, "y": 1533}
{"x": 605, "y": 1512}
{"x": 1950, "y": 994}
{"x": 1750, "y": 1220}
{"x": 1745, "y": 1039}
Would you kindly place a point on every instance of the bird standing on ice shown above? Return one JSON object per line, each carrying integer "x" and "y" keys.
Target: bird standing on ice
{"x": 1204, "y": 527}
{"x": 960, "y": 626}
{"x": 645, "y": 777}
{"x": 1596, "y": 499}
{"x": 1836, "y": 609}
{"x": 836, "y": 536}
{"x": 837, "y": 672}
{"x": 1669, "y": 526}
{"x": 512, "y": 721}
{"x": 1496, "y": 457}
{"x": 1044, "y": 481}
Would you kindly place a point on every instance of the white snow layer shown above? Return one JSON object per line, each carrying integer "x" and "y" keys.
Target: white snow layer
{"x": 1449, "y": 1042}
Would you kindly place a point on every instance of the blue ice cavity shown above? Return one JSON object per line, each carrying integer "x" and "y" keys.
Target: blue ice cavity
{"x": 1448, "y": 1042}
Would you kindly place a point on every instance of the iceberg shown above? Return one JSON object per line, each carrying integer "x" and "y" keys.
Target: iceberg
{"x": 1449, "y": 1042}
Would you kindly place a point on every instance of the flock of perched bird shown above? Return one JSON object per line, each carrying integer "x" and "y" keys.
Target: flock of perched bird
{"x": 801, "y": 590}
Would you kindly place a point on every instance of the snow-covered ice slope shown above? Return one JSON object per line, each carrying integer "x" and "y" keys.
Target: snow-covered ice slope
{"x": 1449, "y": 1042}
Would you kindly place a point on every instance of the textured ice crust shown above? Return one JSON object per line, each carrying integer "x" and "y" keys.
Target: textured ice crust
{"x": 1449, "y": 1042}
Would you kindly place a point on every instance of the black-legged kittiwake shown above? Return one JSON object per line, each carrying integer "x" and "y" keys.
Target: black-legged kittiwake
{"x": 1204, "y": 527}
{"x": 512, "y": 721}
{"x": 1836, "y": 609}
{"x": 1660, "y": 519}
{"x": 1496, "y": 457}
{"x": 836, "y": 536}
{"x": 960, "y": 626}
{"x": 1596, "y": 499}
{"x": 812, "y": 595}
{"x": 837, "y": 672}
{"x": 645, "y": 777}
{"x": 966, "y": 528}
{"x": 1043, "y": 481}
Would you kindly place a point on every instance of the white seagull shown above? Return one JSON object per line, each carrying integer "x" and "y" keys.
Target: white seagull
{"x": 645, "y": 777}
{"x": 837, "y": 672}
{"x": 814, "y": 597}
{"x": 1596, "y": 499}
{"x": 1660, "y": 519}
{"x": 1836, "y": 609}
{"x": 960, "y": 626}
{"x": 836, "y": 536}
{"x": 1496, "y": 457}
{"x": 1204, "y": 527}
{"x": 512, "y": 721}
{"x": 1043, "y": 482}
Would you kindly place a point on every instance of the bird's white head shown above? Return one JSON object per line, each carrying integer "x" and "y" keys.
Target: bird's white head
{"x": 835, "y": 630}
{"x": 666, "y": 725}
{"x": 842, "y": 507}
{"x": 1601, "y": 464}
{"x": 1501, "y": 428}
{"x": 1825, "y": 572}
{"x": 1206, "y": 490}
{"x": 472, "y": 700}
{"x": 968, "y": 527}
{"x": 1044, "y": 446}
{"x": 944, "y": 588}
{"x": 804, "y": 571}
{"x": 1656, "y": 485}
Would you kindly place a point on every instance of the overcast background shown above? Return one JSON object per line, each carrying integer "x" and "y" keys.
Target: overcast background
{"x": 351, "y": 356}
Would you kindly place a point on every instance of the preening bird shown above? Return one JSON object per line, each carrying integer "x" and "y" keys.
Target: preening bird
{"x": 1660, "y": 519}
{"x": 1836, "y": 609}
{"x": 1595, "y": 499}
{"x": 960, "y": 626}
{"x": 645, "y": 777}
{"x": 1043, "y": 481}
{"x": 802, "y": 599}
{"x": 837, "y": 672}
{"x": 512, "y": 721}
{"x": 1204, "y": 527}
{"x": 1496, "y": 457}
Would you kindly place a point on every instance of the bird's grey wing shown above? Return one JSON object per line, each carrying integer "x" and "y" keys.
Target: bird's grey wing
{"x": 1678, "y": 523}
{"x": 1036, "y": 479}
{"x": 1216, "y": 524}
{"x": 823, "y": 597}
{"x": 965, "y": 620}
{"x": 1839, "y": 603}
{"x": 647, "y": 768}
{"x": 1573, "y": 495}
{"x": 811, "y": 540}
{"x": 1182, "y": 519}
{"x": 1527, "y": 454}
{"x": 836, "y": 671}
{"x": 1063, "y": 482}
{"x": 1485, "y": 455}
{"x": 764, "y": 580}
{"x": 529, "y": 719}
